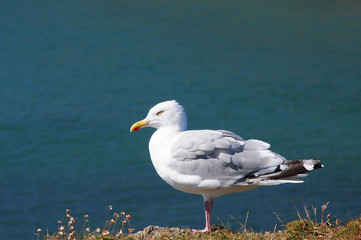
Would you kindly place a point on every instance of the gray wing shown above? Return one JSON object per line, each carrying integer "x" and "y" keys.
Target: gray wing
{"x": 224, "y": 156}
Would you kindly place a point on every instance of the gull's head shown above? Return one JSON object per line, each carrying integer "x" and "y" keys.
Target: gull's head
{"x": 164, "y": 114}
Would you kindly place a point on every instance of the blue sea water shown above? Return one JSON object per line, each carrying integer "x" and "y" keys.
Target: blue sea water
{"x": 75, "y": 75}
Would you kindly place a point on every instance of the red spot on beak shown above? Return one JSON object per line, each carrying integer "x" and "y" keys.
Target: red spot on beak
{"x": 136, "y": 128}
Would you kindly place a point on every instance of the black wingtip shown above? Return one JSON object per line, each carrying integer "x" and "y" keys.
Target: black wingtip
{"x": 297, "y": 167}
{"x": 318, "y": 165}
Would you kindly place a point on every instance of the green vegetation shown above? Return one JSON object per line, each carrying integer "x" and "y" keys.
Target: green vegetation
{"x": 117, "y": 226}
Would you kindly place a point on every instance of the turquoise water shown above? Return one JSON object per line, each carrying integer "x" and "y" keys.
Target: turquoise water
{"x": 74, "y": 76}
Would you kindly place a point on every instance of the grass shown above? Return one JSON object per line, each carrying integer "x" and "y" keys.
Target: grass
{"x": 117, "y": 226}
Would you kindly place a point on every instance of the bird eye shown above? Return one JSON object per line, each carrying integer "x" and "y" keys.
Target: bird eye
{"x": 159, "y": 113}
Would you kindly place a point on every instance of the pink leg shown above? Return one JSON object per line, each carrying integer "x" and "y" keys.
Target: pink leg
{"x": 208, "y": 205}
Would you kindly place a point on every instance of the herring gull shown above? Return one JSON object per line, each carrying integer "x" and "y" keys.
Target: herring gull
{"x": 213, "y": 163}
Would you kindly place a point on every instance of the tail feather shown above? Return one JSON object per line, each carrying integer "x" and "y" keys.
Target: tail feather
{"x": 297, "y": 167}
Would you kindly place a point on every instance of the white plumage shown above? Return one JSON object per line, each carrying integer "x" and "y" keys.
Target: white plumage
{"x": 213, "y": 162}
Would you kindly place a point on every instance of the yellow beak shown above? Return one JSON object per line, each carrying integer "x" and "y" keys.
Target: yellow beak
{"x": 138, "y": 125}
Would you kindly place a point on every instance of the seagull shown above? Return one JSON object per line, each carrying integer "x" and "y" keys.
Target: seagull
{"x": 213, "y": 163}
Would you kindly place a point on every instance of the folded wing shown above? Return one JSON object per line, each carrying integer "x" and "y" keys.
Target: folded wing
{"x": 224, "y": 156}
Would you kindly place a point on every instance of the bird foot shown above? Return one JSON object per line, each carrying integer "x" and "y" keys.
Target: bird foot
{"x": 206, "y": 229}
